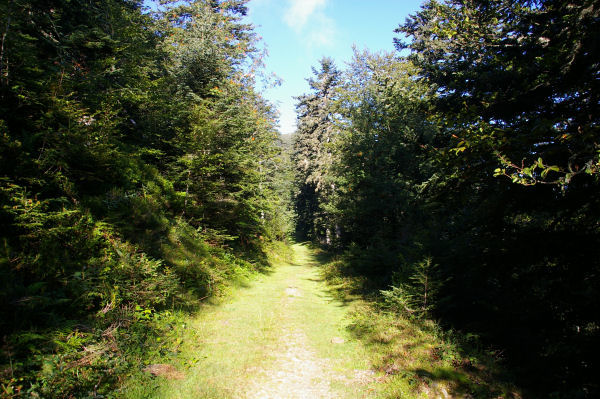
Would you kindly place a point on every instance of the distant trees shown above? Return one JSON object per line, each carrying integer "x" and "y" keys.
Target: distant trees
{"x": 312, "y": 152}
{"x": 478, "y": 153}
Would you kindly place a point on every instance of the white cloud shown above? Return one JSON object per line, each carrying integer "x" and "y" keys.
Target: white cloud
{"x": 307, "y": 18}
{"x": 300, "y": 11}
{"x": 323, "y": 33}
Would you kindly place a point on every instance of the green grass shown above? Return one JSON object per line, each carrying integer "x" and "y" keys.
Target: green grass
{"x": 418, "y": 358}
{"x": 236, "y": 342}
{"x": 240, "y": 343}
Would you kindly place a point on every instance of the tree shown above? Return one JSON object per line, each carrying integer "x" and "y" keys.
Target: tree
{"x": 312, "y": 152}
{"x": 519, "y": 79}
{"x": 515, "y": 92}
{"x": 137, "y": 174}
{"x": 382, "y": 152}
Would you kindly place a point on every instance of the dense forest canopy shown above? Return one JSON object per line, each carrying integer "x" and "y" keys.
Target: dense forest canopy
{"x": 139, "y": 171}
{"x": 463, "y": 176}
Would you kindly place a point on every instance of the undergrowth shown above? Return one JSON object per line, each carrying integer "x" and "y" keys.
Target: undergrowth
{"x": 415, "y": 354}
{"x": 95, "y": 324}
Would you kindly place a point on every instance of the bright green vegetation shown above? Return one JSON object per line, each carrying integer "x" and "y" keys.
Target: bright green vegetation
{"x": 304, "y": 334}
{"x": 273, "y": 336}
{"x": 414, "y": 357}
{"x": 460, "y": 179}
{"x": 140, "y": 173}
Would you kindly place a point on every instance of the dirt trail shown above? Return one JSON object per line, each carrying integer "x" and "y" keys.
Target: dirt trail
{"x": 284, "y": 337}
{"x": 298, "y": 371}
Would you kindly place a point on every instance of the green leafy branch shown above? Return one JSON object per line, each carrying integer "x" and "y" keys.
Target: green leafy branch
{"x": 538, "y": 172}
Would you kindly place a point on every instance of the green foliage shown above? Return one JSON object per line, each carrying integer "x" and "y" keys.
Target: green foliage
{"x": 418, "y": 296}
{"x": 513, "y": 91}
{"x": 382, "y": 152}
{"x": 477, "y": 148}
{"x": 418, "y": 356}
{"x": 137, "y": 177}
{"x": 312, "y": 154}
{"x": 515, "y": 83}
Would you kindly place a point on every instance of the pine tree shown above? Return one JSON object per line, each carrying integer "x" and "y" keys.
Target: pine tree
{"x": 313, "y": 154}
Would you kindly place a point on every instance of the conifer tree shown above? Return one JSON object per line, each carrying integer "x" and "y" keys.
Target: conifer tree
{"x": 313, "y": 154}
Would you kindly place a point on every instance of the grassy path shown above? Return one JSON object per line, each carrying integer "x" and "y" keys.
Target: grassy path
{"x": 282, "y": 337}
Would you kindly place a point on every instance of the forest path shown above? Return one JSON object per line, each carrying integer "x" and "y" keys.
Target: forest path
{"x": 284, "y": 337}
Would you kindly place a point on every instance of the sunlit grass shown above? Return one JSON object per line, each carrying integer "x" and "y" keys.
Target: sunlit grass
{"x": 230, "y": 342}
{"x": 235, "y": 342}
{"x": 416, "y": 357}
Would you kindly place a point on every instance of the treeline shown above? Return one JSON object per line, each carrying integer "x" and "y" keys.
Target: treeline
{"x": 139, "y": 171}
{"x": 461, "y": 176}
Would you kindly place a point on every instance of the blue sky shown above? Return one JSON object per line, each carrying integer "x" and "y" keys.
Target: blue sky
{"x": 297, "y": 33}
